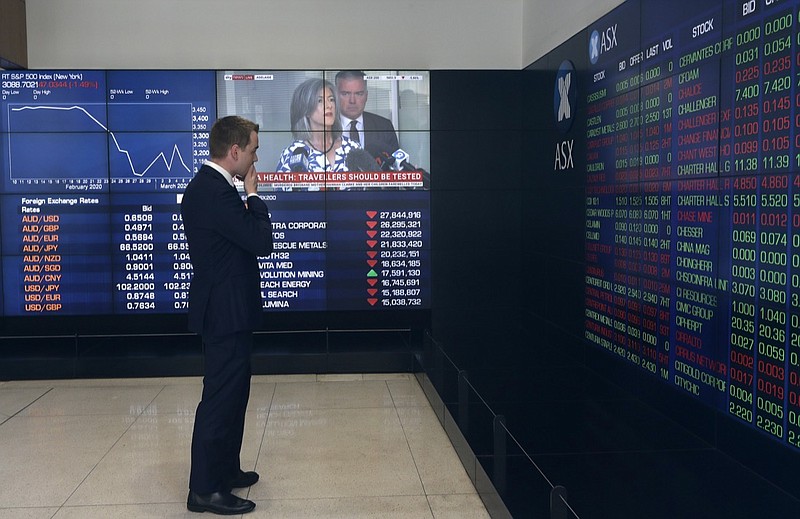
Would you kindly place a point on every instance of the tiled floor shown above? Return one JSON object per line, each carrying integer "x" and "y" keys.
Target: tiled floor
{"x": 346, "y": 446}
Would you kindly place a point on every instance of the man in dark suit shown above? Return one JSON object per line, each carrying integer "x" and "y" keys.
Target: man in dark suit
{"x": 376, "y": 134}
{"x": 225, "y": 237}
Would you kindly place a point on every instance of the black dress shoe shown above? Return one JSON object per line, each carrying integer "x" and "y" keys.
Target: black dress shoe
{"x": 243, "y": 479}
{"x": 222, "y": 503}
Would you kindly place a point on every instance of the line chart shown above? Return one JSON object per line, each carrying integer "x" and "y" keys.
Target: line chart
{"x": 175, "y": 159}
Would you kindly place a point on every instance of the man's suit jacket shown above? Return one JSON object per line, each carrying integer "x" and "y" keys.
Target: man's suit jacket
{"x": 379, "y": 135}
{"x": 225, "y": 238}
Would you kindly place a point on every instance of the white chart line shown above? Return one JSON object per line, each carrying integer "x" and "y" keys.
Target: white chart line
{"x": 167, "y": 163}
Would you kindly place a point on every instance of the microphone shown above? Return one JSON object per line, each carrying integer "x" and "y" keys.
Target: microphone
{"x": 298, "y": 161}
{"x": 358, "y": 159}
{"x": 401, "y": 161}
{"x": 385, "y": 161}
{"x": 398, "y": 161}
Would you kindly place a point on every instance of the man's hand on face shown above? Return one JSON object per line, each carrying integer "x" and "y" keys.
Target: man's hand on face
{"x": 250, "y": 180}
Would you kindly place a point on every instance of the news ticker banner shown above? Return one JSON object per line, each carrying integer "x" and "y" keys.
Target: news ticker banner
{"x": 316, "y": 181}
{"x": 94, "y": 163}
{"x": 693, "y": 201}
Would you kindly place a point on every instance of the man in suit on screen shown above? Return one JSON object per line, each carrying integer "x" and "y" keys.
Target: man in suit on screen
{"x": 225, "y": 236}
{"x": 376, "y": 134}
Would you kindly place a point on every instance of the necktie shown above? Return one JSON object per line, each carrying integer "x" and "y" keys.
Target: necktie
{"x": 354, "y": 132}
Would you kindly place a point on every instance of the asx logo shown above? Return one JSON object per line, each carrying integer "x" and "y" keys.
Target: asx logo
{"x": 564, "y": 96}
{"x": 564, "y": 99}
{"x": 600, "y": 42}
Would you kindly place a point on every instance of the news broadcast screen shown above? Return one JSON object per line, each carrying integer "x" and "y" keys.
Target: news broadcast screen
{"x": 94, "y": 164}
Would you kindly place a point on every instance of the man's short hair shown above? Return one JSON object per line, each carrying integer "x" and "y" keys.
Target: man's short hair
{"x": 349, "y": 74}
{"x": 229, "y": 131}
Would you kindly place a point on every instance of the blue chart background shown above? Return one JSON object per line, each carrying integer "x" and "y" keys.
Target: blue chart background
{"x": 154, "y": 116}
{"x": 61, "y": 140}
{"x": 150, "y": 132}
{"x": 152, "y": 112}
{"x": 57, "y": 117}
{"x": 53, "y": 142}
{"x": 52, "y": 156}
{"x": 77, "y": 134}
{"x": 153, "y": 155}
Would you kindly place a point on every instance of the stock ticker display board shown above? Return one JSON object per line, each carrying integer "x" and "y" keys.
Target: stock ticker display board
{"x": 693, "y": 201}
{"x": 94, "y": 164}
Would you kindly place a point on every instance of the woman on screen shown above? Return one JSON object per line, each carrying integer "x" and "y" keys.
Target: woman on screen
{"x": 319, "y": 144}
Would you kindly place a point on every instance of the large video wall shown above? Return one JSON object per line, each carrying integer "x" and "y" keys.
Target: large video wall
{"x": 690, "y": 130}
{"x": 94, "y": 163}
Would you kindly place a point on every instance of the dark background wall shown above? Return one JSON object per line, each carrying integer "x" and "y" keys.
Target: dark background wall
{"x": 479, "y": 270}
